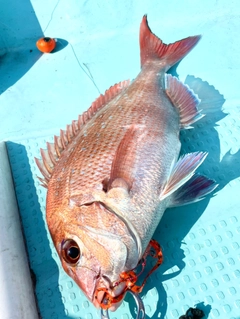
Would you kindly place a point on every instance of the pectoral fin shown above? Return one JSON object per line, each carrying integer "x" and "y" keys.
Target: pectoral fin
{"x": 124, "y": 160}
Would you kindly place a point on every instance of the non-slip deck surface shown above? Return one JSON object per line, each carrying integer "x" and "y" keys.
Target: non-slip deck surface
{"x": 200, "y": 241}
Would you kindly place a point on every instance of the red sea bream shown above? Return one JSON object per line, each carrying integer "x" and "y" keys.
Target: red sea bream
{"x": 111, "y": 175}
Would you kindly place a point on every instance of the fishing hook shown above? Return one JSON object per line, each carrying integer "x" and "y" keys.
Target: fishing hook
{"x": 140, "y": 307}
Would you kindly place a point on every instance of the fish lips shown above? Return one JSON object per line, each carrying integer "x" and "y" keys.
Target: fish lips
{"x": 89, "y": 282}
{"x": 116, "y": 289}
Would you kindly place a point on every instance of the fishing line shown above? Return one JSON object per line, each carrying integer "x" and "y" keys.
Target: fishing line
{"x": 89, "y": 76}
{"x": 51, "y": 16}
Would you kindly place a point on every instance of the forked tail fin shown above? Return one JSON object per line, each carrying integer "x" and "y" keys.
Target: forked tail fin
{"x": 152, "y": 48}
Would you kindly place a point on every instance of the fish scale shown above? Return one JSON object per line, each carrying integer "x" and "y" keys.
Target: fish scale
{"x": 113, "y": 173}
{"x": 104, "y": 146}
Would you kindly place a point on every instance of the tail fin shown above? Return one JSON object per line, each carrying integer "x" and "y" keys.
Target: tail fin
{"x": 153, "y": 48}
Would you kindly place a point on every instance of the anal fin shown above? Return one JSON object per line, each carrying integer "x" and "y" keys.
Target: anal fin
{"x": 184, "y": 99}
{"x": 182, "y": 171}
{"x": 193, "y": 190}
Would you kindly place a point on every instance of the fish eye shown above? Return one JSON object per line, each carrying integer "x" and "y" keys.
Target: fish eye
{"x": 70, "y": 251}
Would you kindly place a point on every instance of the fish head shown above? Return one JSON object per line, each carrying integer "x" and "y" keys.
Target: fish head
{"x": 94, "y": 247}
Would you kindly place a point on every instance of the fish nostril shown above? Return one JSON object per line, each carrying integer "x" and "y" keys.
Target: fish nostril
{"x": 97, "y": 277}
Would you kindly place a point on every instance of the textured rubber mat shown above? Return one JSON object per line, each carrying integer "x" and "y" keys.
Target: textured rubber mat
{"x": 200, "y": 242}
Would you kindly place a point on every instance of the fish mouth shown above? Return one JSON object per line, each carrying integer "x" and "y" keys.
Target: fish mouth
{"x": 114, "y": 292}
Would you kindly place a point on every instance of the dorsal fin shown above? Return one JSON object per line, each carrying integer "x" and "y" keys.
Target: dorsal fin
{"x": 51, "y": 155}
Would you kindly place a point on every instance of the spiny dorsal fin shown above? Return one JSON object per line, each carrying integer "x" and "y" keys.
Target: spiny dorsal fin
{"x": 51, "y": 155}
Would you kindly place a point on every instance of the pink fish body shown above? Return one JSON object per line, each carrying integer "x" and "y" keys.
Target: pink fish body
{"x": 111, "y": 175}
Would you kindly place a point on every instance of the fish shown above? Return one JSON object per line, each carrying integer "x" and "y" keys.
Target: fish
{"x": 113, "y": 172}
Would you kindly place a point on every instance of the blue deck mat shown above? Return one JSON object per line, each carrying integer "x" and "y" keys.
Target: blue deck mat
{"x": 200, "y": 241}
